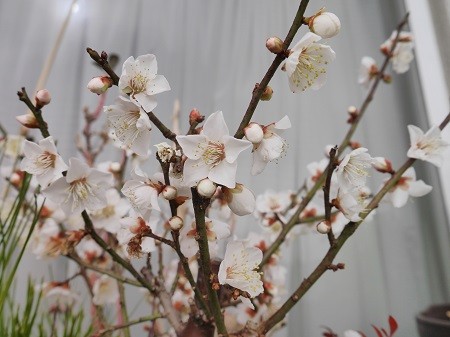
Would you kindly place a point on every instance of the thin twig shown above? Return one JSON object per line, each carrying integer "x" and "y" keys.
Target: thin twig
{"x": 326, "y": 191}
{"x": 257, "y": 93}
{"x": 23, "y": 96}
{"x": 128, "y": 324}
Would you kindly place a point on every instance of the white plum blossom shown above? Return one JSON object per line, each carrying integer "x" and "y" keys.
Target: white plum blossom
{"x": 105, "y": 290}
{"x": 142, "y": 192}
{"x": 58, "y": 295}
{"x": 82, "y": 188}
{"x": 108, "y": 217}
{"x": 402, "y": 55}
{"x": 42, "y": 161}
{"x": 271, "y": 147}
{"x": 429, "y": 146}
{"x": 45, "y": 237}
{"x": 273, "y": 202}
{"x": 130, "y": 125}
{"x": 407, "y": 186}
{"x": 90, "y": 252}
{"x": 212, "y": 154}
{"x": 353, "y": 169}
{"x": 367, "y": 71}
{"x": 306, "y": 65}
{"x": 140, "y": 82}
{"x": 165, "y": 152}
{"x": 352, "y": 202}
{"x": 238, "y": 268}
{"x": 215, "y": 230}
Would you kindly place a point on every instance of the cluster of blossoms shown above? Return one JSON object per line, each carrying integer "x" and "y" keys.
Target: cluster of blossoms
{"x": 134, "y": 217}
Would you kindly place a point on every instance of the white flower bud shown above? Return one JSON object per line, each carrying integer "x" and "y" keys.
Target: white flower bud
{"x": 42, "y": 98}
{"x": 254, "y": 133}
{"x": 382, "y": 165}
{"x": 115, "y": 167}
{"x": 169, "y": 192}
{"x": 175, "y": 223}
{"x": 99, "y": 85}
{"x": 328, "y": 149}
{"x": 323, "y": 227}
{"x": 325, "y": 25}
{"x": 206, "y": 188}
{"x": 274, "y": 44}
{"x": 240, "y": 199}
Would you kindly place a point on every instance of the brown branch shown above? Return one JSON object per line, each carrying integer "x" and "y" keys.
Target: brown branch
{"x": 23, "y": 96}
{"x": 326, "y": 192}
{"x": 327, "y": 261}
{"x": 259, "y": 90}
{"x": 102, "y": 61}
{"x": 128, "y": 324}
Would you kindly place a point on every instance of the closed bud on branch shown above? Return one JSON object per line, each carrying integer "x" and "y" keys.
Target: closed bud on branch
{"x": 28, "y": 120}
{"x": 324, "y": 24}
{"x": 99, "y": 85}
{"x": 387, "y": 78}
{"x": 274, "y": 44}
{"x": 195, "y": 117}
{"x": 382, "y": 165}
{"x": 42, "y": 98}
{"x": 240, "y": 199}
{"x": 169, "y": 192}
{"x": 267, "y": 94}
{"x": 254, "y": 133}
{"x": 206, "y": 188}
{"x": 323, "y": 227}
{"x": 176, "y": 223}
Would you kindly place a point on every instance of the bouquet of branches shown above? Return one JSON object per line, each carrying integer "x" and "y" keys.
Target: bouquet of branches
{"x": 170, "y": 235}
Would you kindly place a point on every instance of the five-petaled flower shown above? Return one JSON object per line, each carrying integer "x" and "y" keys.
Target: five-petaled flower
{"x": 42, "y": 160}
{"x": 130, "y": 124}
{"x": 212, "y": 154}
{"x": 306, "y": 65}
{"x": 428, "y": 146}
{"x": 238, "y": 268}
{"x": 353, "y": 169}
{"x": 82, "y": 188}
{"x": 140, "y": 82}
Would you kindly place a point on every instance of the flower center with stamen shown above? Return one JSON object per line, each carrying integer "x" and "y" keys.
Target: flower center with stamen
{"x": 45, "y": 161}
{"x": 105, "y": 212}
{"x": 80, "y": 191}
{"x": 138, "y": 84}
{"x": 213, "y": 153}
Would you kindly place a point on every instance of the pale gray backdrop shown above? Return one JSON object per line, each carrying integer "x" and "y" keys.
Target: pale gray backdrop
{"x": 212, "y": 53}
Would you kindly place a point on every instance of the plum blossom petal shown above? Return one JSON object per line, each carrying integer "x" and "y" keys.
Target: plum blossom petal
{"x": 429, "y": 146}
{"x": 105, "y": 290}
{"x": 215, "y": 127}
{"x": 306, "y": 65}
{"x": 353, "y": 169}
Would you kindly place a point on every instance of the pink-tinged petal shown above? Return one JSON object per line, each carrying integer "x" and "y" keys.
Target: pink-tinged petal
{"x": 419, "y": 188}
{"x": 157, "y": 85}
{"x": 194, "y": 170}
{"x": 148, "y": 103}
{"x": 77, "y": 170}
{"x": 31, "y": 149}
{"x": 259, "y": 163}
{"x": 415, "y": 134}
{"x": 283, "y": 124}
{"x": 191, "y": 145}
{"x": 47, "y": 144}
{"x": 148, "y": 245}
{"x": 233, "y": 147}
{"x": 147, "y": 63}
{"x": 215, "y": 127}
{"x": 399, "y": 197}
{"x": 224, "y": 174}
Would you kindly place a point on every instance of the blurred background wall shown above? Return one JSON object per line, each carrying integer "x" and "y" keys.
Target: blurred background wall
{"x": 212, "y": 53}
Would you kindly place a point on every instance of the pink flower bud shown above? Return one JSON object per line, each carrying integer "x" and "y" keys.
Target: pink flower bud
{"x": 240, "y": 199}
{"x": 195, "y": 117}
{"x": 176, "y": 223}
{"x": 274, "y": 44}
{"x": 99, "y": 85}
{"x": 254, "y": 133}
{"x": 42, "y": 98}
{"x": 323, "y": 227}
{"x": 169, "y": 192}
{"x": 206, "y": 188}
{"x": 325, "y": 24}
{"x": 28, "y": 120}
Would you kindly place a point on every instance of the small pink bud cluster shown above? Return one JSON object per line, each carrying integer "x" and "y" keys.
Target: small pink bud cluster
{"x": 274, "y": 45}
{"x": 42, "y": 98}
